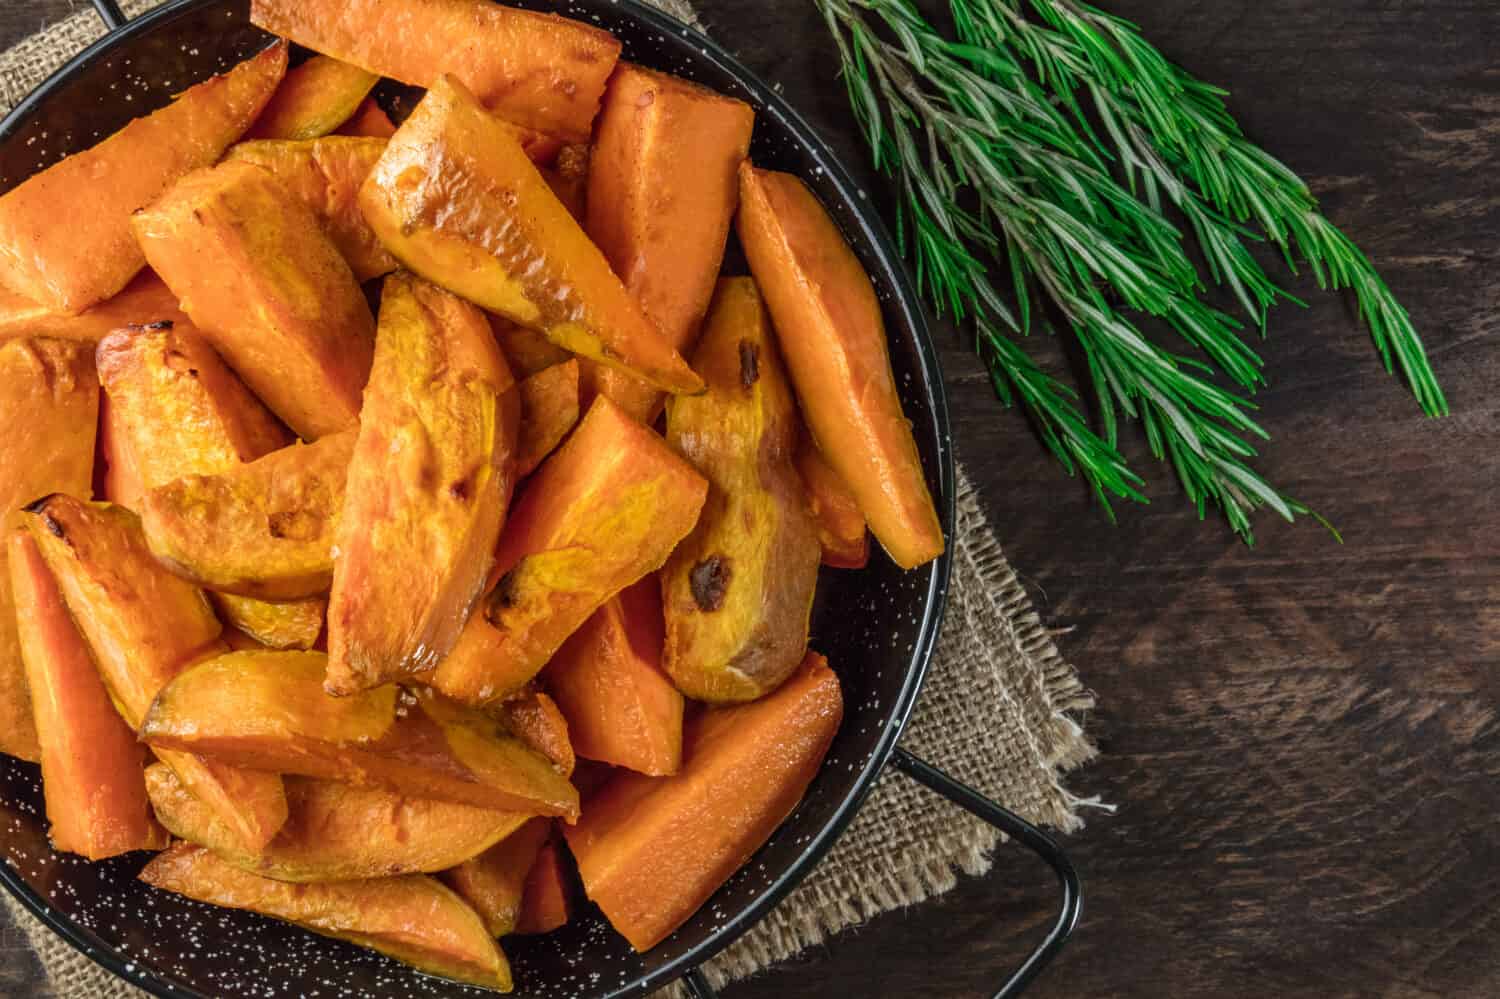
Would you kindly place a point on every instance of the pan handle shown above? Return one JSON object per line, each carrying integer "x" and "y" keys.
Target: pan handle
{"x": 110, "y": 11}
{"x": 1012, "y": 825}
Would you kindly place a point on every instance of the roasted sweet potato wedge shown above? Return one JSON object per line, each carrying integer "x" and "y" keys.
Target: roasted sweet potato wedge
{"x": 455, "y": 198}
{"x": 143, "y": 625}
{"x": 494, "y": 882}
{"x": 314, "y": 99}
{"x": 267, "y": 287}
{"x": 604, "y": 510}
{"x": 65, "y": 239}
{"x": 91, "y": 762}
{"x": 538, "y": 70}
{"x": 536, "y": 720}
{"x": 829, "y": 324}
{"x": 337, "y": 832}
{"x": 49, "y": 398}
{"x": 651, "y": 850}
{"x": 607, "y": 679}
{"x": 262, "y": 529}
{"x": 661, "y": 227}
{"x": 841, "y": 527}
{"x": 145, "y": 300}
{"x": 527, "y": 351}
{"x": 428, "y": 485}
{"x": 369, "y": 121}
{"x": 549, "y": 409}
{"x": 547, "y": 898}
{"x": 411, "y": 918}
{"x": 175, "y": 409}
{"x": 279, "y": 718}
{"x": 293, "y": 624}
{"x": 326, "y": 174}
{"x": 738, "y": 592}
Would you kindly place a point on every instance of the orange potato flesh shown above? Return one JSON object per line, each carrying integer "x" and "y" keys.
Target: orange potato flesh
{"x": 527, "y": 351}
{"x": 91, "y": 763}
{"x": 295, "y": 624}
{"x": 428, "y": 485}
{"x": 49, "y": 398}
{"x": 536, "y": 720}
{"x": 267, "y": 287}
{"x": 145, "y": 300}
{"x": 831, "y": 332}
{"x": 326, "y": 175}
{"x": 546, "y": 901}
{"x": 262, "y": 529}
{"x": 538, "y": 70}
{"x": 65, "y": 238}
{"x": 268, "y": 710}
{"x": 841, "y": 527}
{"x": 456, "y": 199}
{"x": 338, "y": 832}
{"x": 569, "y": 177}
{"x": 663, "y": 227}
{"x": 175, "y": 409}
{"x": 737, "y": 594}
{"x": 549, "y": 409}
{"x": 494, "y": 882}
{"x": 144, "y": 625}
{"x": 314, "y": 99}
{"x": 604, "y": 510}
{"x": 651, "y": 850}
{"x": 369, "y": 121}
{"x": 411, "y": 918}
{"x": 608, "y": 681}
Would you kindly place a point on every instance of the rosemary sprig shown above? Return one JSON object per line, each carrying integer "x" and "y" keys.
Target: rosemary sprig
{"x": 995, "y": 160}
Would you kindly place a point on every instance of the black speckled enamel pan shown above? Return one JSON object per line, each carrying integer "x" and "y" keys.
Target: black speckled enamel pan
{"x": 877, "y": 626}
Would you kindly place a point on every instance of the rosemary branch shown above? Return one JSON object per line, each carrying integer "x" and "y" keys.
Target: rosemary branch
{"x": 996, "y": 163}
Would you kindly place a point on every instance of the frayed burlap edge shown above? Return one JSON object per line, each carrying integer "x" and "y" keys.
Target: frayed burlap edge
{"x": 1000, "y": 711}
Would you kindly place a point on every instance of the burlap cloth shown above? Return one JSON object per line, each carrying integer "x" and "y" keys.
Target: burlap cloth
{"x": 997, "y": 711}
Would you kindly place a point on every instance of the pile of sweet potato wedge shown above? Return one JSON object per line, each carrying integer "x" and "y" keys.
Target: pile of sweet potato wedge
{"x": 324, "y": 599}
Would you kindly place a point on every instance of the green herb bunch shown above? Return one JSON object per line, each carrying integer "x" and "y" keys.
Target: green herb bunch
{"x": 1045, "y": 143}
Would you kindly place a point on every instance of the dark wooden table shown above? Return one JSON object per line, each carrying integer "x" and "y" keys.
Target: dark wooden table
{"x": 1301, "y": 738}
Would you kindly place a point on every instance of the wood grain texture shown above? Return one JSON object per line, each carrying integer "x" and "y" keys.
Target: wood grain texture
{"x": 1301, "y": 737}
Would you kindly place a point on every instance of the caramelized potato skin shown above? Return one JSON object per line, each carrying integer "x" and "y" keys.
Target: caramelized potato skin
{"x": 456, "y": 199}
{"x": 49, "y": 396}
{"x": 428, "y": 485}
{"x": 651, "y": 850}
{"x": 663, "y": 228}
{"x": 267, "y": 287}
{"x": 738, "y": 592}
{"x": 313, "y": 99}
{"x": 829, "y": 324}
{"x": 412, "y": 918}
{"x": 541, "y": 71}
{"x": 65, "y": 237}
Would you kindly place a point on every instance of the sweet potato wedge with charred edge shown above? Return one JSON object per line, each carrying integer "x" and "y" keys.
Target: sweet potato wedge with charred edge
{"x": 262, "y": 529}
{"x": 267, "y": 287}
{"x": 455, "y": 198}
{"x": 547, "y": 898}
{"x": 738, "y": 592}
{"x": 494, "y": 882}
{"x": 49, "y": 399}
{"x": 278, "y": 718}
{"x": 337, "y": 832}
{"x": 651, "y": 850}
{"x": 144, "y": 625}
{"x": 662, "y": 227}
{"x": 146, "y": 299}
{"x": 829, "y": 324}
{"x": 608, "y": 681}
{"x": 65, "y": 239}
{"x": 314, "y": 99}
{"x": 411, "y": 918}
{"x": 538, "y": 70}
{"x": 428, "y": 485}
{"x": 549, "y": 409}
{"x": 841, "y": 527}
{"x": 604, "y": 510}
{"x": 91, "y": 762}
{"x": 326, "y": 174}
